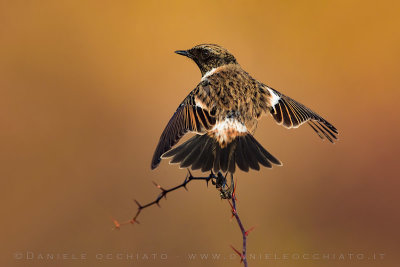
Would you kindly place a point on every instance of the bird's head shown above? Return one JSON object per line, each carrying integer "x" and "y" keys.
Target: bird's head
{"x": 208, "y": 56}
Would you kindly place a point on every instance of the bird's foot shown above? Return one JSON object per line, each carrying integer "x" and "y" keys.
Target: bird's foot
{"x": 220, "y": 183}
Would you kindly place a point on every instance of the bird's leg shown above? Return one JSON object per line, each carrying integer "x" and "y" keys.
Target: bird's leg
{"x": 220, "y": 181}
{"x": 221, "y": 184}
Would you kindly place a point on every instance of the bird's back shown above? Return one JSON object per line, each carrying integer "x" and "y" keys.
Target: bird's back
{"x": 233, "y": 93}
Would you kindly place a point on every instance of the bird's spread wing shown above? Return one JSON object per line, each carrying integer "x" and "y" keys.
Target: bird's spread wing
{"x": 191, "y": 116}
{"x": 292, "y": 114}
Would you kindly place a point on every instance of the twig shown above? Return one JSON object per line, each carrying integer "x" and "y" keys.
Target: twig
{"x": 244, "y": 232}
{"x": 226, "y": 192}
{"x": 163, "y": 194}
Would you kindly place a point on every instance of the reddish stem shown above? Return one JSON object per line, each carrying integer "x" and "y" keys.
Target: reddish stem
{"x": 244, "y": 232}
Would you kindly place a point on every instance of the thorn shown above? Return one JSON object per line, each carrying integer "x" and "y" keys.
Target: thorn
{"x": 233, "y": 209}
{"x": 133, "y": 221}
{"x": 248, "y": 231}
{"x": 190, "y": 174}
{"x": 237, "y": 252}
{"x": 234, "y": 190}
{"x": 157, "y": 202}
{"x": 156, "y": 185}
{"x": 117, "y": 225}
{"x": 159, "y": 186}
{"x": 185, "y": 183}
{"x": 137, "y": 203}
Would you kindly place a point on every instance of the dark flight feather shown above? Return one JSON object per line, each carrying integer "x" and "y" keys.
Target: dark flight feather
{"x": 292, "y": 114}
{"x": 188, "y": 117}
{"x": 240, "y": 159}
{"x": 202, "y": 151}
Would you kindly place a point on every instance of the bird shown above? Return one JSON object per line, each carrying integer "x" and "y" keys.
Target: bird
{"x": 223, "y": 111}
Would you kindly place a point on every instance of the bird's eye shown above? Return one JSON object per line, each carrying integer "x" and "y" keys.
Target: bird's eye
{"x": 205, "y": 54}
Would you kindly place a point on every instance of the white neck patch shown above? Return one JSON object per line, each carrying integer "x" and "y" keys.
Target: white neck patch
{"x": 208, "y": 73}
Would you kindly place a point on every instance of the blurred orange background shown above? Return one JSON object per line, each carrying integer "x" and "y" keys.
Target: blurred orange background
{"x": 86, "y": 88}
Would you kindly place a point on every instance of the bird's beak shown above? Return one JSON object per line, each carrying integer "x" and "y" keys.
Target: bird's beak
{"x": 185, "y": 53}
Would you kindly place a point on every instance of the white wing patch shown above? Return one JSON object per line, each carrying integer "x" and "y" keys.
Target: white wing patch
{"x": 274, "y": 97}
{"x": 200, "y": 104}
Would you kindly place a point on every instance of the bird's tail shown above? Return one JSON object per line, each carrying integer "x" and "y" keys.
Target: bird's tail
{"x": 204, "y": 152}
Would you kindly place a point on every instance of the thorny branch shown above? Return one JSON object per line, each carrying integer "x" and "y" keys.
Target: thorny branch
{"x": 226, "y": 192}
{"x": 242, "y": 229}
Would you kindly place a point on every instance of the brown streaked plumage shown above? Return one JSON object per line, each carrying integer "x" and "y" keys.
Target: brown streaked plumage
{"x": 223, "y": 111}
